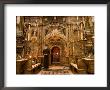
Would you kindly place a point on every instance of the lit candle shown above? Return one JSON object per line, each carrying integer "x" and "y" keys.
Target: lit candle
{"x": 81, "y": 36}
{"x": 30, "y": 56}
{"x": 54, "y": 17}
{"x": 77, "y": 17}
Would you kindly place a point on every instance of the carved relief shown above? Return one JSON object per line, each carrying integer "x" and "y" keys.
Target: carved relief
{"x": 72, "y": 34}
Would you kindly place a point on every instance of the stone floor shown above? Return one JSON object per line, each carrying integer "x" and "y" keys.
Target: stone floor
{"x": 56, "y": 70}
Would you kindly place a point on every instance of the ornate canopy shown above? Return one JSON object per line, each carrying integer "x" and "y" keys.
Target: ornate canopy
{"x": 55, "y": 35}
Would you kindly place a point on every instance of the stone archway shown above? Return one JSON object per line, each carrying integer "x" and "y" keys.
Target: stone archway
{"x": 58, "y": 40}
{"x": 55, "y": 55}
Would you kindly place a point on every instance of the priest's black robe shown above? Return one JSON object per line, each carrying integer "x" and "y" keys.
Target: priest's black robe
{"x": 46, "y": 53}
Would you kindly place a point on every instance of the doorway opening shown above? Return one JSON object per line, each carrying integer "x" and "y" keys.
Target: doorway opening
{"x": 55, "y": 55}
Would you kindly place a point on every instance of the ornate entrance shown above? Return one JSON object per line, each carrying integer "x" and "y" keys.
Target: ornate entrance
{"x": 56, "y": 41}
{"x": 55, "y": 55}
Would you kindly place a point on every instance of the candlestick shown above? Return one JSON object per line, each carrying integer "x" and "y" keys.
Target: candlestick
{"x": 77, "y": 20}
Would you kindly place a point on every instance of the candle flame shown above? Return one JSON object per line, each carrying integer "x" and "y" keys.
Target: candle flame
{"x": 30, "y": 56}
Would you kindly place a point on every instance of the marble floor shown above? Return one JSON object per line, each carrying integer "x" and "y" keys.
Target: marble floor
{"x": 56, "y": 70}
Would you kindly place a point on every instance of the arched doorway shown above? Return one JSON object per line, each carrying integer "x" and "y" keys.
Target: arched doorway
{"x": 55, "y": 55}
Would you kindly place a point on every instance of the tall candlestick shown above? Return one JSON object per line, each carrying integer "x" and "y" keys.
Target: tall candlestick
{"x": 34, "y": 33}
{"x": 18, "y": 19}
{"x": 83, "y": 21}
{"x": 77, "y": 20}
{"x": 78, "y": 34}
{"x": 77, "y": 17}
{"x": 29, "y": 35}
{"x": 81, "y": 35}
{"x": 81, "y": 26}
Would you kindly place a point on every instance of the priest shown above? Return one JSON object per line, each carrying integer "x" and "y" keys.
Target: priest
{"x": 46, "y": 53}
